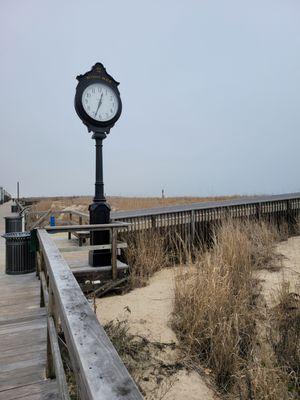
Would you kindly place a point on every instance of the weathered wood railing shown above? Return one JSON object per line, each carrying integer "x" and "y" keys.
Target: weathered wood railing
{"x": 113, "y": 246}
{"x": 98, "y": 369}
{"x": 34, "y": 219}
{"x": 196, "y": 220}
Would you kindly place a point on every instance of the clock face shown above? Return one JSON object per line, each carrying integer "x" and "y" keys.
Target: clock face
{"x": 100, "y": 102}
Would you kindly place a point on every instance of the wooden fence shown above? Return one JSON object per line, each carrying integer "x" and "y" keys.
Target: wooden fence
{"x": 192, "y": 222}
{"x": 98, "y": 369}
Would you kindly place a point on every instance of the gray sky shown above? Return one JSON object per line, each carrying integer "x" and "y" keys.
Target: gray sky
{"x": 210, "y": 91}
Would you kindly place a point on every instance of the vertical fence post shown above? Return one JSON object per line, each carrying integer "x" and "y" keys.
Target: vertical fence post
{"x": 114, "y": 250}
{"x": 50, "y": 369}
{"x": 192, "y": 227}
{"x": 289, "y": 214}
{"x": 153, "y": 222}
{"x": 69, "y": 233}
{"x": 258, "y": 211}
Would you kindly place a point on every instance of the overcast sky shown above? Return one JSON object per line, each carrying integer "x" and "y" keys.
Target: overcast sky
{"x": 210, "y": 92}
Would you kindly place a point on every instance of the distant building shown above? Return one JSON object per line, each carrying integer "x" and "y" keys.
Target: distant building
{"x": 4, "y": 195}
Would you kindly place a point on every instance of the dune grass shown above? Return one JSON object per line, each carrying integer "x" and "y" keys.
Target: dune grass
{"x": 220, "y": 319}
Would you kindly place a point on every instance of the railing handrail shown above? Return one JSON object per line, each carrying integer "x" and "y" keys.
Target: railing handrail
{"x": 93, "y": 227}
{"x": 57, "y": 212}
{"x": 99, "y": 371}
{"x": 146, "y": 212}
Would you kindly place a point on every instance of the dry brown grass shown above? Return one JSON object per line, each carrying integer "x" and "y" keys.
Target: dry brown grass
{"x": 262, "y": 238}
{"x": 146, "y": 254}
{"x": 218, "y": 313}
{"x": 261, "y": 380}
{"x": 285, "y": 333}
{"x": 214, "y": 304}
{"x": 147, "y": 361}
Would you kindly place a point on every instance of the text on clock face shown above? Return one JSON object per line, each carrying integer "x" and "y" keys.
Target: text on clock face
{"x": 100, "y": 102}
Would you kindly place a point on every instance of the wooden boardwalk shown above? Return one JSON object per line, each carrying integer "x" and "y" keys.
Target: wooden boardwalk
{"x": 23, "y": 334}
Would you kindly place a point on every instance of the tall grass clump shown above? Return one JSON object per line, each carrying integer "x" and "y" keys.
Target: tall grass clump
{"x": 261, "y": 379}
{"x": 285, "y": 333}
{"x": 263, "y": 236}
{"x": 215, "y": 306}
{"x": 146, "y": 254}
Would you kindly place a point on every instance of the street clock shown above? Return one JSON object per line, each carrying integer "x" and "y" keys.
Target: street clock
{"x": 98, "y": 104}
{"x": 97, "y": 100}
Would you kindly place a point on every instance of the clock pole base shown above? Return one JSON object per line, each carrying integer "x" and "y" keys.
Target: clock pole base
{"x": 99, "y": 258}
{"x": 99, "y": 214}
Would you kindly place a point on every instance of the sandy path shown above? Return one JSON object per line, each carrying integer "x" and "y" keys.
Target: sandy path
{"x": 289, "y": 262}
{"x": 148, "y": 311}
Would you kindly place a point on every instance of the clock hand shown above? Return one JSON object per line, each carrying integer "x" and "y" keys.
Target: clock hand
{"x": 99, "y": 104}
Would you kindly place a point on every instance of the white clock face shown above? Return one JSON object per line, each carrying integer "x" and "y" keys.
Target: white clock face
{"x": 100, "y": 102}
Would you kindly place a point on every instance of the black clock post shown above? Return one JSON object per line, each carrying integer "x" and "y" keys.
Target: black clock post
{"x": 98, "y": 104}
{"x": 99, "y": 209}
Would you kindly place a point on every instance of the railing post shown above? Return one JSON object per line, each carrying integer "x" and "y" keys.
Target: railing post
{"x": 50, "y": 370}
{"x": 192, "y": 227}
{"x": 114, "y": 250}
{"x": 289, "y": 214}
{"x": 38, "y": 264}
{"x": 38, "y": 274}
{"x": 153, "y": 222}
{"x": 258, "y": 211}
{"x": 69, "y": 233}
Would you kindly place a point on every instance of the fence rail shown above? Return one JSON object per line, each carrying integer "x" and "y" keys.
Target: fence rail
{"x": 98, "y": 369}
{"x": 4, "y": 195}
{"x": 195, "y": 220}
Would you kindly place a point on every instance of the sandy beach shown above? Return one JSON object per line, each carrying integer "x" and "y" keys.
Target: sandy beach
{"x": 148, "y": 311}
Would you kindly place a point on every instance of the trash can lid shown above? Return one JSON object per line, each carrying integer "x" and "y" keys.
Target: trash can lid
{"x": 16, "y": 235}
{"x": 13, "y": 216}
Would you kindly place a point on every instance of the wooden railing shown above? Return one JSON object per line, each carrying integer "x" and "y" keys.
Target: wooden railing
{"x": 37, "y": 219}
{"x": 98, "y": 369}
{"x": 113, "y": 246}
{"x": 4, "y": 196}
{"x": 195, "y": 221}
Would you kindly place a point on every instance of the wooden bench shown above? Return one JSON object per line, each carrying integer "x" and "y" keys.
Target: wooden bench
{"x": 81, "y": 236}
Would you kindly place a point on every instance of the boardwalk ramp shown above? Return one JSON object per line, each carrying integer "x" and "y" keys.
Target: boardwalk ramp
{"x": 23, "y": 334}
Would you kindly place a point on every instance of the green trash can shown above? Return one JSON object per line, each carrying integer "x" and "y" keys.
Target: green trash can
{"x": 20, "y": 259}
{"x": 14, "y": 208}
{"x": 13, "y": 223}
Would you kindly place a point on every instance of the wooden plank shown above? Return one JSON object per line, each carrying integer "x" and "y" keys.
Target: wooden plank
{"x": 99, "y": 273}
{"x": 57, "y": 361}
{"x": 22, "y": 326}
{"x": 45, "y": 294}
{"x": 41, "y": 219}
{"x": 16, "y": 317}
{"x": 22, "y": 349}
{"x": 11, "y": 300}
{"x": 22, "y": 376}
{"x": 100, "y": 373}
{"x": 28, "y": 337}
{"x": 114, "y": 267}
{"x": 18, "y": 309}
{"x": 121, "y": 245}
{"x": 42, "y": 390}
{"x": 95, "y": 227}
{"x": 14, "y": 363}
